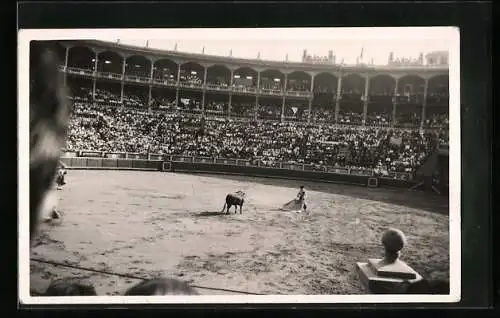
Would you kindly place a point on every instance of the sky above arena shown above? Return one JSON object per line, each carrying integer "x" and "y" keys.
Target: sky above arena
{"x": 276, "y": 44}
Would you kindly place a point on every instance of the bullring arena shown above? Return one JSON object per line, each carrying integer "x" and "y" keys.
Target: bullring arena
{"x": 152, "y": 223}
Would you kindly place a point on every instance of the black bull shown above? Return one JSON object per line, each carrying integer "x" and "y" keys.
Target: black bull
{"x": 233, "y": 199}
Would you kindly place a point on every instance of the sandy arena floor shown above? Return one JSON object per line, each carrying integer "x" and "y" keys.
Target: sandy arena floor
{"x": 150, "y": 223}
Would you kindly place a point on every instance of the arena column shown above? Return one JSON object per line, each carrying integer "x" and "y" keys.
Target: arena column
{"x": 395, "y": 102}
{"x": 94, "y": 76}
{"x": 366, "y": 98}
{"x": 150, "y": 85}
{"x": 204, "y": 90}
{"x": 338, "y": 97}
{"x": 230, "y": 94}
{"x": 310, "y": 99}
{"x": 424, "y": 103}
{"x": 66, "y": 57}
{"x": 177, "y": 85}
{"x": 257, "y": 96}
{"x": 283, "y": 91}
{"x": 124, "y": 63}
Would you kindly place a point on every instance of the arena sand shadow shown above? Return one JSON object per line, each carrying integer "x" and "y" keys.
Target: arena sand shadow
{"x": 209, "y": 213}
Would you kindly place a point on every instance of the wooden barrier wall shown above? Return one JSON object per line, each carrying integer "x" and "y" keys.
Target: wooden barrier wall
{"x": 229, "y": 167}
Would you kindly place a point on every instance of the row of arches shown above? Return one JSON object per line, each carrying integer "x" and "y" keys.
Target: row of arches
{"x": 165, "y": 69}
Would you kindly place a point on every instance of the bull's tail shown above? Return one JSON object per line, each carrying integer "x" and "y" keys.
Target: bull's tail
{"x": 224, "y": 207}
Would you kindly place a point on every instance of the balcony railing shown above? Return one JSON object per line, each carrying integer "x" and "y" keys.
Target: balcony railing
{"x": 166, "y": 82}
{"x": 79, "y": 71}
{"x": 298, "y": 93}
{"x": 215, "y": 87}
{"x": 137, "y": 78}
{"x": 190, "y": 85}
{"x": 109, "y": 75}
{"x": 275, "y": 92}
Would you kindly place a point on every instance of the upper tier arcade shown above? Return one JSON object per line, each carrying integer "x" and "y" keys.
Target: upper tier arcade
{"x": 297, "y": 88}
{"x": 258, "y": 65}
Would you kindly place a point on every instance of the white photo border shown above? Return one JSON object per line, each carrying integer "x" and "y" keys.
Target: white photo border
{"x": 449, "y": 34}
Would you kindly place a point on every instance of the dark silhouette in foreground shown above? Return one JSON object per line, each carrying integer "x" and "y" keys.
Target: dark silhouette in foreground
{"x": 49, "y": 116}
{"x": 71, "y": 287}
{"x": 161, "y": 286}
{"x": 426, "y": 287}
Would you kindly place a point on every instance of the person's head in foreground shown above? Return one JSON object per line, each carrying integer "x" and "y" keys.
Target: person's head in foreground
{"x": 49, "y": 117}
{"x": 433, "y": 287}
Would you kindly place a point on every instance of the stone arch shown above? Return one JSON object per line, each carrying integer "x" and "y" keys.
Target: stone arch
{"x": 299, "y": 81}
{"x": 325, "y": 82}
{"x": 382, "y": 84}
{"x": 138, "y": 65}
{"x": 192, "y": 72}
{"x": 245, "y": 76}
{"x": 439, "y": 84}
{"x": 354, "y": 84}
{"x": 218, "y": 74}
{"x": 110, "y": 61}
{"x": 165, "y": 69}
{"x": 81, "y": 57}
{"x": 272, "y": 79}
{"x": 411, "y": 84}
{"x": 438, "y": 93}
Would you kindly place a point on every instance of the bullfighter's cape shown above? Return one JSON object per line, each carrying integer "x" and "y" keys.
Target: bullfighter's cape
{"x": 293, "y": 205}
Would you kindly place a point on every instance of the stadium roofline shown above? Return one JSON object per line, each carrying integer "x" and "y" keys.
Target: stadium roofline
{"x": 252, "y": 63}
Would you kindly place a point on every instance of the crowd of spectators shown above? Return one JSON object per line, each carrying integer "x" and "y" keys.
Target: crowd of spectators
{"x": 137, "y": 71}
{"x": 436, "y": 121}
{"x": 190, "y": 78}
{"x": 298, "y": 86}
{"x": 269, "y": 112}
{"x": 164, "y": 74}
{"x": 120, "y": 129}
{"x": 379, "y": 119}
{"x": 216, "y": 107}
{"x": 406, "y": 117}
{"x": 218, "y": 81}
{"x": 105, "y": 96}
{"x": 350, "y": 118}
{"x": 271, "y": 85}
{"x": 243, "y": 109}
{"x": 322, "y": 115}
{"x": 296, "y": 112}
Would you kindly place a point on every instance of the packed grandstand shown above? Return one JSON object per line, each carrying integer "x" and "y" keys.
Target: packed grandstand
{"x": 130, "y": 99}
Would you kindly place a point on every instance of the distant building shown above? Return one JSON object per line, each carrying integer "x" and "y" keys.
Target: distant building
{"x": 437, "y": 58}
